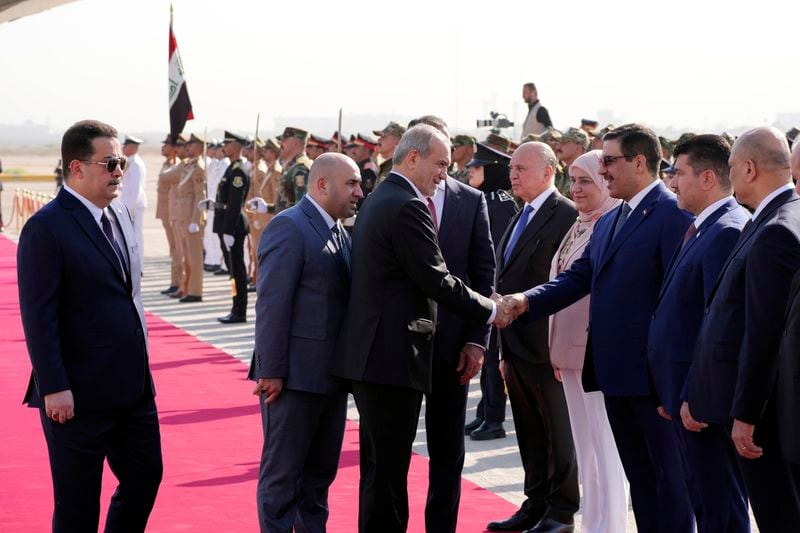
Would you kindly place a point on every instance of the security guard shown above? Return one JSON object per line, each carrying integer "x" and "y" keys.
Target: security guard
{"x": 316, "y": 146}
{"x": 463, "y": 152}
{"x": 231, "y": 224}
{"x": 169, "y": 151}
{"x": 489, "y": 172}
{"x": 388, "y": 138}
{"x": 363, "y": 148}
{"x": 297, "y": 165}
{"x": 188, "y": 220}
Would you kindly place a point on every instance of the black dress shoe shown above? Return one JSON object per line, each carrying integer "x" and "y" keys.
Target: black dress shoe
{"x": 222, "y": 272}
{"x": 251, "y": 288}
{"x": 551, "y": 525}
{"x": 232, "y": 319}
{"x": 472, "y": 426}
{"x": 210, "y": 268}
{"x": 170, "y": 289}
{"x": 488, "y": 431}
{"x": 516, "y": 522}
{"x": 190, "y": 298}
{"x": 176, "y": 294}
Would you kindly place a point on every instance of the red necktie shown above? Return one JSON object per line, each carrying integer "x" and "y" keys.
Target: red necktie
{"x": 689, "y": 232}
{"x": 432, "y": 209}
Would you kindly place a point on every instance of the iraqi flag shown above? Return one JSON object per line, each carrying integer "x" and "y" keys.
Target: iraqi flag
{"x": 180, "y": 107}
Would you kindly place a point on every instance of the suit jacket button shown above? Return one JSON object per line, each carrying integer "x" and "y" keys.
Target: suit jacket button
{"x": 653, "y": 317}
{"x": 138, "y": 332}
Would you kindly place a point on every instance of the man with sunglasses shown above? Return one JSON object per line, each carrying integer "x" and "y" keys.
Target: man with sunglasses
{"x": 79, "y": 291}
{"x": 622, "y": 268}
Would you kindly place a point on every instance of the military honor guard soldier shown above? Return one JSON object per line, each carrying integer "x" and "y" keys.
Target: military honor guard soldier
{"x": 296, "y": 164}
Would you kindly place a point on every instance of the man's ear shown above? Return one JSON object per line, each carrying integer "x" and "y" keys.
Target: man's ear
{"x": 75, "y": 168}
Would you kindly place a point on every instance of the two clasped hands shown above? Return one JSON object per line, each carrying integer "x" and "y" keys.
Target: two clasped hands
{"x": 509, "y": 307}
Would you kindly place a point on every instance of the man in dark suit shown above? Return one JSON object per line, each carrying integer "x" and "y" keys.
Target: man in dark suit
{"x": 79, "y": 275}
{"x": 702, "y": 184}
{"x": 788, "y": 399}
{"x": 623, "y": 267}
{"x": 538, "y": 406}
{"x": 386, "y": 343}
{"x": 733, "y": 376}
{"x": 458, "y": 346}
{"x": 303, "y": 288}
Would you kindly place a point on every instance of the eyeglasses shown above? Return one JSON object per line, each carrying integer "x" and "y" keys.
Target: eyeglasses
{"x": 609, "y": 159}
{"x": 110, "y": 163}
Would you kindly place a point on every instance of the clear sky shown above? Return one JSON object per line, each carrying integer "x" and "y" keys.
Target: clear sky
{"x": 705, "y": 65}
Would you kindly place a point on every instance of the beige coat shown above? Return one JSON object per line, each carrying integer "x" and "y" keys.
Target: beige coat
{"x": 569, "y": 327}
{"x": 189, "y": 190}
{"x": 162, "y": 188}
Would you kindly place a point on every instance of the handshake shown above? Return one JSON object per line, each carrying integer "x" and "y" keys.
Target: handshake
{"x": 509, "y": 307}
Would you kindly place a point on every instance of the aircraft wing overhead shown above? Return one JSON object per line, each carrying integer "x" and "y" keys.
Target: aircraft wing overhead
{"x": 14, "y": 9}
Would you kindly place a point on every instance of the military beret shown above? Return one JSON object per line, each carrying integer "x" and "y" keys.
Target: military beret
{"x": 392, "y": 128}
{"x": 322, "y": 142}
{"x": 529, "y": 138}
{"x": 272, "y": 144}
{"x": 258, "y": 143}
{"x": 290, "y": 131}
{"x": 486, "y": 155}
{"x": 551, "y": 134}
{"x": 129, "y": 139}
{"x": 497, "y": 141}
{"x": 464, "y": 140}
{"x": 231, "y": 137}
{"x": 367, "y": 141}
{"x": 589, "y": 122}
{"x": 792, "y": 134}
{"x": 576, "y": 135}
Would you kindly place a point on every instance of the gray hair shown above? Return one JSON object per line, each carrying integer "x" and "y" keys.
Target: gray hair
{"x": 419, "y": 138}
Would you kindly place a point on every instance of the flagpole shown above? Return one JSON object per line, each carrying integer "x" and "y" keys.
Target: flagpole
{"x": 341, "y": 141}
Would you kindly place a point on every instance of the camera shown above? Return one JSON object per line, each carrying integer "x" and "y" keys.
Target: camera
{"x": 496, "y": 123}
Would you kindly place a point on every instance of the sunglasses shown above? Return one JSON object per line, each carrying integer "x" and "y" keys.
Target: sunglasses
{"x": 609, "y": 159}
{"x": 110, "y": 163}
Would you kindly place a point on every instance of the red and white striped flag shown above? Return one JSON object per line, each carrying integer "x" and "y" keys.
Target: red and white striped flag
{"x": 180, "y": 107}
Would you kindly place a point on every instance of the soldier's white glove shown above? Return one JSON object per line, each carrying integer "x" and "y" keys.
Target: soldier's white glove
{"x": 206, "y": 205}
{"x": 193, "y": 228}
{"x": 258, "y": 205}
{"x": 228, "y": 240}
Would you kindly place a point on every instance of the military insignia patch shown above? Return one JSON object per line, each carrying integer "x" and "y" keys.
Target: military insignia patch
{"x": 238, "y": 181}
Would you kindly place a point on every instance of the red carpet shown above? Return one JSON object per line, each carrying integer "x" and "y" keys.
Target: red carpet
{"x": 211, "y": 440}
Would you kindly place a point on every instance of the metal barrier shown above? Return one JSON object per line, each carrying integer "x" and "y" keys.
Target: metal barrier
{"x": 26, "y": 203}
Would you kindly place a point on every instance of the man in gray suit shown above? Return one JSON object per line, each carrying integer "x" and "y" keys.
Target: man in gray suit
{"x": 303, "y": 288}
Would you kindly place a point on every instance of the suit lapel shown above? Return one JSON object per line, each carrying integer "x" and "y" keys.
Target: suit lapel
{"x": 636, "y": 217}
{"x": 540, "y": 217}
{"x": 324, "y": 232}
{"x": 87, "y": 223}
{"x": 751, "y": 230}
{"x": 451, "y": 206}
{"x": 682, "y": 251}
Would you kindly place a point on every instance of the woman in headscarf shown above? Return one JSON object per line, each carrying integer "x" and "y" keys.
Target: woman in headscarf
{"x": 604, "y": 496}
{"x": 489, "y": 172}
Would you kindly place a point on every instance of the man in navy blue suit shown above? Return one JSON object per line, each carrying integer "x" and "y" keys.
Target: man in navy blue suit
{"x": 732, "y": 382}
{"x": 79, "y": 275}
{"x": 702, "y": 184}
{"x": 303, "y": 289}
{"x": 623, "y": 268}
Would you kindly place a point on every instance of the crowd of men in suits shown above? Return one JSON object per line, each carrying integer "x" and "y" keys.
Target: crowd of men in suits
{"x": 403, "y": 277}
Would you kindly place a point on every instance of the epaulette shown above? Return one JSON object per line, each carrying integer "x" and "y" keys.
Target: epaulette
{"x": 236, "y": 165}
{"x": 503, "y": 196}
{"x": 304, "y": 160}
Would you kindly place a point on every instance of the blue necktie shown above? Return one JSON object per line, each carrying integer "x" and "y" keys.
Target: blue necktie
{"x": 621, "y": 219}
{"x": 114, "y": 244}
{"x": 522, "y": 222}
{"x": 343, "y": 246}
